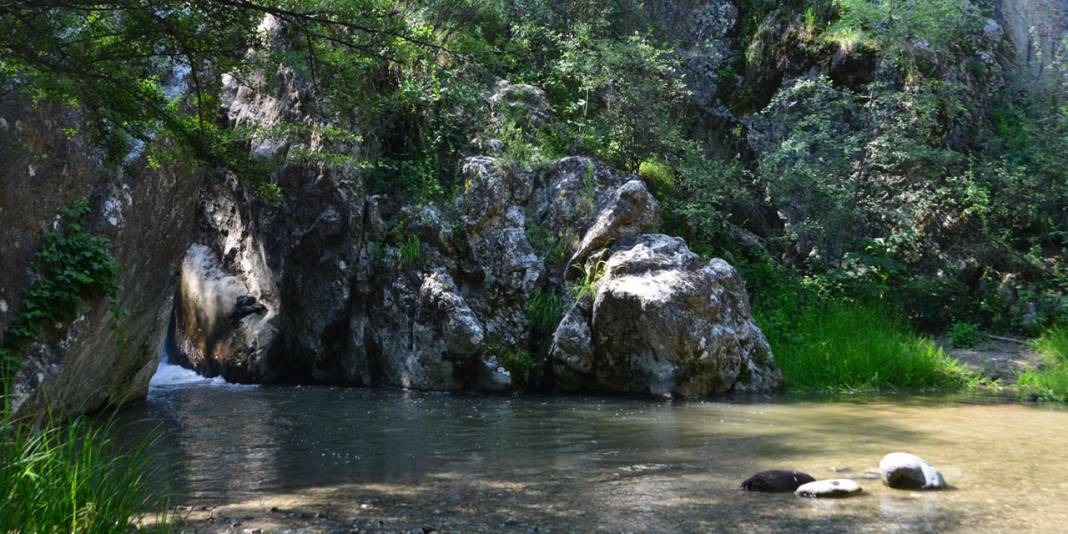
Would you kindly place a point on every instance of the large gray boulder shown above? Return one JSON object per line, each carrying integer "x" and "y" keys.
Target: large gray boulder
{"x": 663, "y": 322}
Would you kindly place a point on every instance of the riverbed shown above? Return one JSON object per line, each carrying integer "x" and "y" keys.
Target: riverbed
{"x": 240, "y": 458}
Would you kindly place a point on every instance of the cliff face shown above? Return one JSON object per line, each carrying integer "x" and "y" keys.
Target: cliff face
{"x": 1036, "y": 28}
{"x": 146, "y": 214}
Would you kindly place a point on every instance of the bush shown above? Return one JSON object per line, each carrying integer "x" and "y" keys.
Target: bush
{"x": 1051, "y": 381}
{"x": 964, "y": 335}
{"x": 525, "y": 369}
{"x": 659, "y": 177}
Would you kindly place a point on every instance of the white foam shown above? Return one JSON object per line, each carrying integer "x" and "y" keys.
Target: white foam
{"x": 169, "y": 375}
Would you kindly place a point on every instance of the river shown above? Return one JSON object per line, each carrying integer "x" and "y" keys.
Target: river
{"x": 385, "y": 460}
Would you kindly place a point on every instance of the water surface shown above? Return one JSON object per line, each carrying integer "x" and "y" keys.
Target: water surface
{"x": 398, "y": 460}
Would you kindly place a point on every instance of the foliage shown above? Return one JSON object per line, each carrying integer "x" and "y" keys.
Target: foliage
{"x": 1050, "y": 382}
{"x": 545, "y": 308}
{"x": 1052, "y": 345}
{"x": 591, "y": 274}
{"x": 552, "y": 247}
{"x": 861, "y": 346}
{"x": 72, "y": 477}
{"x": 524, "y": 369}
{"x": 659, "y": 177}
{"x": 410, "y": 251}
{"x": 964, "y": 335}
{"x": 1047, "y": 384}
{"x": 912, "y": 34}
{"x": 72, "y": 268}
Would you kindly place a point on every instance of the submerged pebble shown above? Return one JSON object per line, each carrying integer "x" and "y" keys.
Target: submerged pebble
{"x": 824, "y": 489}
{"x": 776, "y": 481}
{"x": 902, "y": 470}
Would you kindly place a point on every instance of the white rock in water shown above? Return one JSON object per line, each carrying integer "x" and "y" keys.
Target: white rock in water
{"x": 824, "y": 489}
{"x": 902, "y": 470}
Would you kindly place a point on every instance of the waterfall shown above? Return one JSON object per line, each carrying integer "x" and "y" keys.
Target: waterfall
{"x": 171, "y": 375}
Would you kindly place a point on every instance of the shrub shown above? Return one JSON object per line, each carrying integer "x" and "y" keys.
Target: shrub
{"x": 964, "y": 335}
{"x": 659, "y": 177}
{"x": 525, "y": 370}
{"x": 1051, "y": 381}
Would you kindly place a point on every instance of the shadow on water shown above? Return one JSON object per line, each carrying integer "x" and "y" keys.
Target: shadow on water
{"x": 464, "y": 461}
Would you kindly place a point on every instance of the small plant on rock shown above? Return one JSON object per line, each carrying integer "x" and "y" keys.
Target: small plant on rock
{"x": 411, "y": 250}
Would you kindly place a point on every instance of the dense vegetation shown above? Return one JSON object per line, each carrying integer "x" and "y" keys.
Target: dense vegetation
{"x": 916, "y": 183}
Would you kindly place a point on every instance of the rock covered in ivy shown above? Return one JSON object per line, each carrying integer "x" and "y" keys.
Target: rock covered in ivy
{"x": 665, "y": 322}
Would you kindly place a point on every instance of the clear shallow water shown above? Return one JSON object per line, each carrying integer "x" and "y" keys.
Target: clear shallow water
{"x": 456, "y": 462}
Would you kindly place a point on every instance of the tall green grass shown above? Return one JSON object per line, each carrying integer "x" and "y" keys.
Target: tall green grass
{"x": 1050, "y": 382}
{"x": 73, "y": 477}
{"x": 856, "y": 346}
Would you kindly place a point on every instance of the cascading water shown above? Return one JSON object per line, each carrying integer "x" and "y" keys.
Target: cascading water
{"x": 169, "y": 375}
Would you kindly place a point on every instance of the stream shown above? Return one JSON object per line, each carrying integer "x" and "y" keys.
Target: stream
{"x": 323, "y": 459}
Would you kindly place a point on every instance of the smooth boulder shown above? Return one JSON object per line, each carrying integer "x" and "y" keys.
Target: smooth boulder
{"x": 901, "y": 470}
{"x": 776, "y": 481}
{"x": 829, "y": 489}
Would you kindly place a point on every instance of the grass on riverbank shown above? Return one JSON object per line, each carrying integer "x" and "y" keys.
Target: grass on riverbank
{"x": 1051, "y": 381}
{"x": 851, "y": 346}
{"x": 71, "y": 477}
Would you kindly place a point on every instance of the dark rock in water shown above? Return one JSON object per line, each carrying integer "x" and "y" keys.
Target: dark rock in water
{"x": 776, "y": 481}
{"x": 829, "y": 489}
{"x": 901, "y": 470}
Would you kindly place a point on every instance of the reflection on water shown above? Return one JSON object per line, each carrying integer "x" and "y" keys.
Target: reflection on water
{"x": 581, "y": 463}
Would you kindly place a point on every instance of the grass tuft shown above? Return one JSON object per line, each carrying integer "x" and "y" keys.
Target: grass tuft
{"x": 861, "y": 347}
{"x": 72, "y": 477}
{"x": 1050, "y": 383}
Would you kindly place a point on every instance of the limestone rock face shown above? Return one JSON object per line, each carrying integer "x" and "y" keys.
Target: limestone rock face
{"x": 631, "y": 210}
{"x": 146, "y": 214}
{"x": 664, "y": 322}
{"x": 701, "y": 30}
